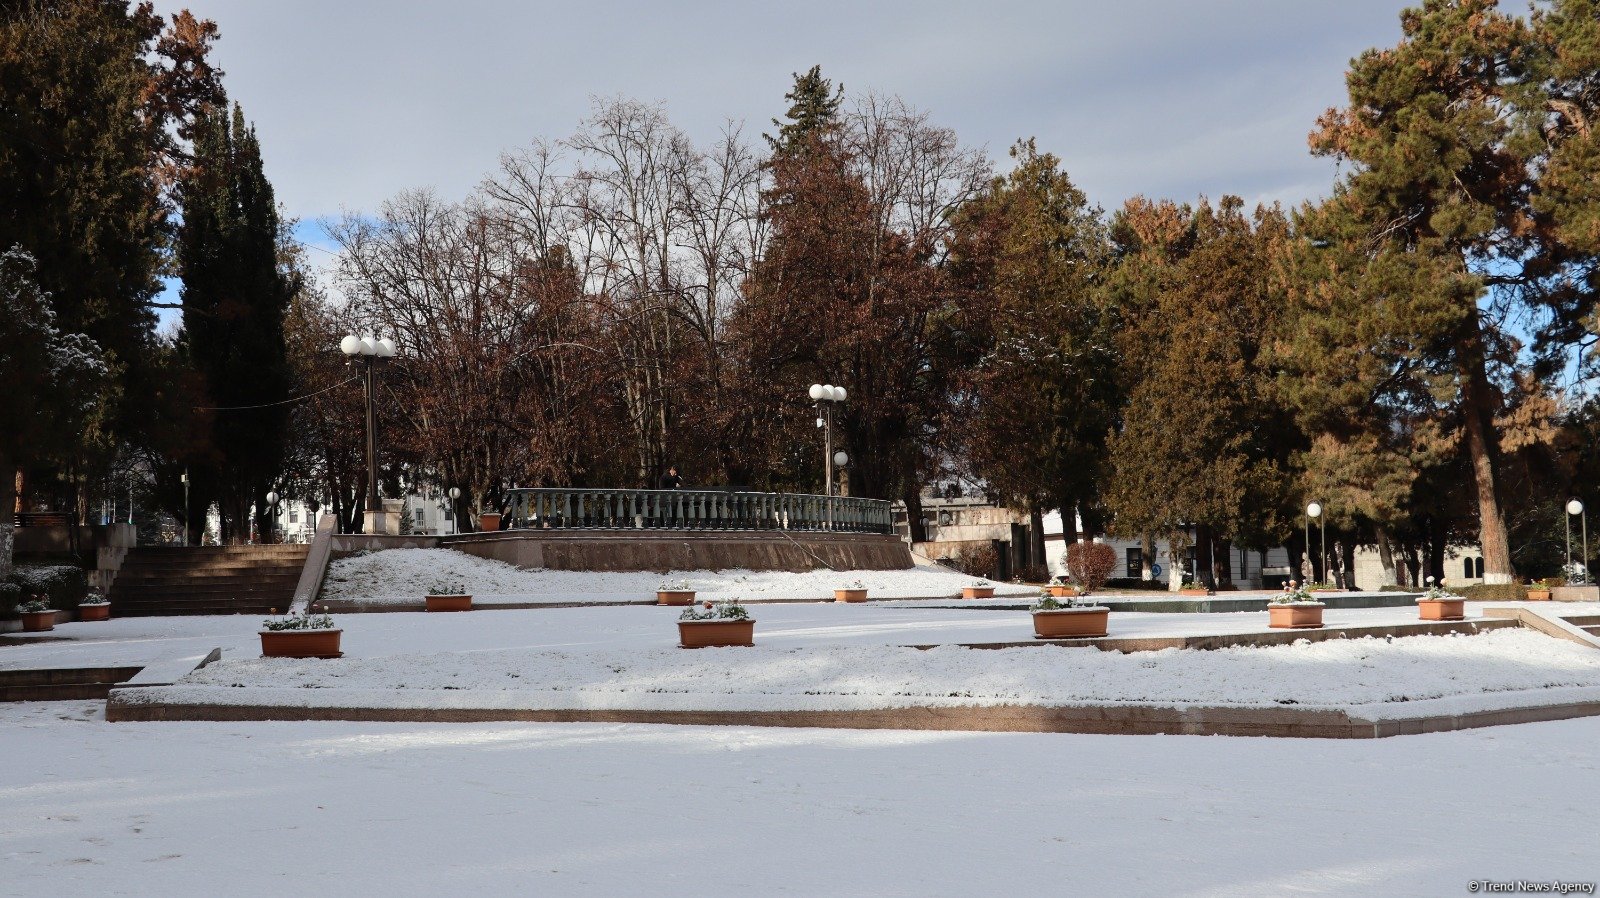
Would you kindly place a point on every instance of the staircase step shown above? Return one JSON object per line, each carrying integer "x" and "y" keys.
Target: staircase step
{"x": 1592, "y": 629}
{"x": 61, "y": 684}
{"x": 207, "y": 580}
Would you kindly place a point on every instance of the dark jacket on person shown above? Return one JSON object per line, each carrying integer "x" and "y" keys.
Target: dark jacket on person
{"x": 671, "y": 481}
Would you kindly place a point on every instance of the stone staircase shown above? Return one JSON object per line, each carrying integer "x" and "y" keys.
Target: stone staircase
{"x": 1588, "y": 623}
{"x": 207, "y": 580}
{"x": 61, "y": 684}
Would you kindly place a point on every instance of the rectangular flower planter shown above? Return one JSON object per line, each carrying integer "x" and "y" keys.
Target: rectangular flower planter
{"x": 1538, "y": 595}
{"x": 101, "y": 611}
{"x": 700, "y": 634}
{"x": 1070, "y": 623}
{"x": 1061, "y": 592}
{"x": 1441, "y": 609}
{"x": 1299, "y": 616}
{"x": 38, "y": 621}
{"x": 1194, "y": 592}
{"x": 849, "y": 595}
{"x": 489, "y": 522}
{"x": 977, "y": 592}
{"x": 300, "y": 643}
{"x": 674, "y": 597}
{"x": 448, "y": 603}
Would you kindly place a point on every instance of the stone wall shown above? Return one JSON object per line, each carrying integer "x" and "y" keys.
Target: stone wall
{"x": 665, "y": 550}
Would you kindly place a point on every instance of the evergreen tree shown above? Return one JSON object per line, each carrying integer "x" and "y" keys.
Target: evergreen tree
{"x": 813, "y": 112}
{"x": 236, "y": 292}
{"x": 1201, "y": 442}
{"x": 1438, "y": 243}
{"x": 51, "y": 380}
{"x": 1040, "y": 387}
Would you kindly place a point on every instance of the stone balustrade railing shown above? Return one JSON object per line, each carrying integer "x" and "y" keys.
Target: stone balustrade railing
{"x": 621, "y": 509}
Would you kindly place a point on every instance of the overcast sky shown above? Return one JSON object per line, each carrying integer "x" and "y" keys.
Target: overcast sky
{"x": 359, "y": 99}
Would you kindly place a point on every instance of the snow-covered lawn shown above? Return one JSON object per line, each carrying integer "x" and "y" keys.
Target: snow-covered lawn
{"x": 142, "y": 640}
{"x": 248, "y": 809}
{"x": 1337, "y": 673}
{"x": 404, "y": 576}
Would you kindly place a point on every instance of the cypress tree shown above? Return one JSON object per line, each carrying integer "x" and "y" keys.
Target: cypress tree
{"x": 235, "y": 296}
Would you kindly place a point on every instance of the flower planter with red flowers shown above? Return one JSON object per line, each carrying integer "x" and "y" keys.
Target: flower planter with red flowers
{"x": 1068, "y": 620}
{"x": 300, "y": 636}
{"x": 37, "y": 615}
{"x": 724, "y": 624}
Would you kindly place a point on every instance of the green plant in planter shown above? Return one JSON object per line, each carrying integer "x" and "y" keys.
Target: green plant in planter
{"x": 443, "y": 588}
{"x": 95, "y": 597}
{"x": 674, "y": 586}
{"x": 1437, "y": 591}
{"x": 293, "y": 621}
{"x": 1048, "y": 602}
{"x": 1293, "y": 594}
{"x": 34, "y": 605}
{"x": 724, "y": 610}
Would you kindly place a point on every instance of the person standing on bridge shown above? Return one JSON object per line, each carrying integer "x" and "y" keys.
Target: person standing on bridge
{"x": 671, "y": 480}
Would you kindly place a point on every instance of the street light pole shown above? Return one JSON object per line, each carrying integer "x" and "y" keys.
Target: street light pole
{"x": 369, "y": 353}
{"x": 272, "y": 517}
{"x": 1314, "y": 510}
{"x": 1575, "y": 508}
{"x": 455, "y": 519}
{"x": 826, "y": 395}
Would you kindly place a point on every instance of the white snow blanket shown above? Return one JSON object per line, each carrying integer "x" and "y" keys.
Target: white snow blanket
{"x": 1335, "y": 673}
{"x": 397, "y": 576}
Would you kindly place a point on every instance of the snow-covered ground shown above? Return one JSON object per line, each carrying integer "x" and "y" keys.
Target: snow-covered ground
{"x": 142, "y": 640}
{"x": 404, "y": 576}
{"x": 181, "y": 809}
{"x": 1335, "y": 673}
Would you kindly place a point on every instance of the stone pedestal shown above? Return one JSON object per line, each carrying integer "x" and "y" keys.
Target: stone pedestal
{"x": 374, "y": 522}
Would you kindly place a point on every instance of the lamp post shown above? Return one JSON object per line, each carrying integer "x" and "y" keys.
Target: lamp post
{"x": 825, "y": 396}
{"x": 186, "y": 506}
{"x": 272, "y": 516}
{"x": 1575, "y": 509}
{"x": 369, "y": 353}
{"x": 455, "y": 519}
{"x": 1314, "y": 510}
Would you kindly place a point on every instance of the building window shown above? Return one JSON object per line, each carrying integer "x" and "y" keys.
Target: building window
{"x": 1135, "y": 563}
{"x": 294, "y": 514}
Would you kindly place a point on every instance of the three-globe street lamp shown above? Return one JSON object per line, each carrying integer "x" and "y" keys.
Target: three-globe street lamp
{"x": 369, "y": 353}
{"x": 1575, "y": 510}
{"x": 1314, "y": 510}
{"x": 826, "y": 395}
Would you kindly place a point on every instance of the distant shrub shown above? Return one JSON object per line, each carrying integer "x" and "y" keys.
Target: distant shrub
{"x": 1090, "y": 564}
{"x": 1034, "y": 573}
{"x": 1494, "y": 592}
{"x": 1136, "y": 583}
{"x": 1397, "y": 587}
{"x": 63, "y": 585}
{"x": 10, "y": 595}
{"x": 981, "y": 562}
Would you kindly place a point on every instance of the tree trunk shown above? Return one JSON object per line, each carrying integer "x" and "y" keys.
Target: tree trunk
{"x": 1036, "y": 537}
{"x": 1386, "y": 558}
{"x": 1476, "y": 413}
{"x": 914, "y": 528}
{"x": 1069, "y": 524}
{"x": 1147, "y": 553}
{"x": 1347, "y": 554}
{"x": 8, "y": 514}
{"x": 1436, "y": 549}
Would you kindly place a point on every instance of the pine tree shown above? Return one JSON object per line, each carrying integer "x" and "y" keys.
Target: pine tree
{"x": 813, "y": 111}
{"x": 235, "y": 296}
{"x": 1434, "y": 220}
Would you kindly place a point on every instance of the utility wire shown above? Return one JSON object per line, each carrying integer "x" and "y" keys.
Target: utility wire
{"x": 239, "y": 408}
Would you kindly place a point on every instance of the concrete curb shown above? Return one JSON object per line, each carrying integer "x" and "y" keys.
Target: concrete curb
{"x": 1133, "y": 720}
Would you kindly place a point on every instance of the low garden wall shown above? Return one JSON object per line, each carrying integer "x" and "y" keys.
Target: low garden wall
{"x": 658, "y": 550}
